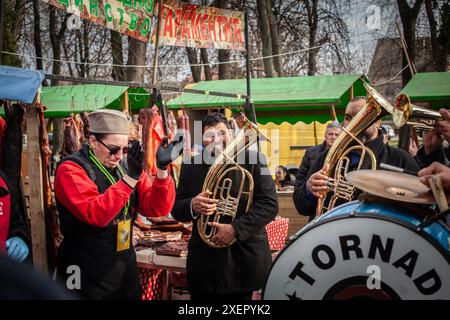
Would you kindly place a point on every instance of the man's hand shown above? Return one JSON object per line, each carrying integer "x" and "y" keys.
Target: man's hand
{"x": 413, "y": 148}
{"x": 443, "y": 126}
{"x": 439, "y": 169}
{"x": 204, "y": 205}
{"x": 431, "y": 141}
{"x": 224, "y": 233}
{"x": 317, "y": 183}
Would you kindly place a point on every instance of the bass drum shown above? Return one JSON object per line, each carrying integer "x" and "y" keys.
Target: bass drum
{"x": 363, "y": 251}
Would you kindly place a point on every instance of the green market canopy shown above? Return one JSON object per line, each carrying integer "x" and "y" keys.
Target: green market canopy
{"x": 61, "y": 101}
{"x": 431, "y": 87}
{"x": 277, "y": 100}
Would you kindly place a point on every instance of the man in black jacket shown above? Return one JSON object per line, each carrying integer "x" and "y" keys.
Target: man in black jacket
{"x": 332, "y": 131}
{"x": 235, "y": 271}
{"x": 435, "y": 146}
{"x": 316, "y": 182}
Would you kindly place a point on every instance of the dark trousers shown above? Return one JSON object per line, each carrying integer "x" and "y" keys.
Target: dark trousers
{"x": 211, "y": 297}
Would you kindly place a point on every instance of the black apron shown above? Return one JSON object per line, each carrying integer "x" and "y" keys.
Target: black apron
{"x": 105, "y": 273}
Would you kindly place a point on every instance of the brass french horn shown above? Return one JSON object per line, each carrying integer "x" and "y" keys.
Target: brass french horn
{"x": 228, "y": 182}
{"x": 375, "y": 108}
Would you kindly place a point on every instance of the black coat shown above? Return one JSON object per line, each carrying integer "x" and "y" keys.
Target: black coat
{"x": 306, "y": 204}
{"x": 311, "y": 155}
{"x": 441, "y": 155}
{"x": 245, "y": 265}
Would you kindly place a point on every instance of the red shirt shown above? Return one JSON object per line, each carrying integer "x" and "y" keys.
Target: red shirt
{"x": 79, "y": 194}
{"x": 2, "y": 133}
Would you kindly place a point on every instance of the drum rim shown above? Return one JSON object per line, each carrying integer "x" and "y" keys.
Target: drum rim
{"x": 403, "y": 223}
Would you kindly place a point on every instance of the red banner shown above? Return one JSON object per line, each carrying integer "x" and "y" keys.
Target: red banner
{"x": 189, "y": 25}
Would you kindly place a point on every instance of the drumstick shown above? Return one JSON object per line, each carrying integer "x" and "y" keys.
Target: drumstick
{"x": 396, "y": 169}
{"x": 438, "y": 192}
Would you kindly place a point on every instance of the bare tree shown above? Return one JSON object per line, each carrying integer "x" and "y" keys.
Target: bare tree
{"x": 275, "y": 37}
{"x": 12, "y": 16}
{"x": 2, "y": 21}
{"x": 264, "y": 12}
{"x": 205, "y": 62}
{"x": 193, "y": 60}
{"x": 37, "y": 35}
{"x": 56, "y": 38}
{"x": 437, "y": 44}
{"x": 136, "y": 56}
{"x": 408, "y": 16}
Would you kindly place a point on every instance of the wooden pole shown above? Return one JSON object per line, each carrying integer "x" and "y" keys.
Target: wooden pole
{"x": 412, "y": 68}
{"x": 333, "y": 113}
{"x": 315, "y": 133}
{"x": 125, "y": 103}
{"x": 155, "y": 94}
{"x": 37, "y": 213}
{"x": 249, "y": 106}
{"x": 405, "y": 131}
{"x": 158, "y": 31}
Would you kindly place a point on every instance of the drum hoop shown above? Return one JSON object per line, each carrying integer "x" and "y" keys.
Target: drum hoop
{"x": 355, "y": 215}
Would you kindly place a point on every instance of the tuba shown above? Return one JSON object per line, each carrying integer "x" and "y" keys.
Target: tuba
{"x": 407, "y": 113}
{"x": 228, "y": 182}
{"x": 375, "y": 108}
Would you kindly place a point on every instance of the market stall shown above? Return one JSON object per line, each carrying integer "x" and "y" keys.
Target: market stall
{"x": 431, "y": 89}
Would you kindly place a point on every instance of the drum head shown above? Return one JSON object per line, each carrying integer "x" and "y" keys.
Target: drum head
{"x": 360, "y": 257}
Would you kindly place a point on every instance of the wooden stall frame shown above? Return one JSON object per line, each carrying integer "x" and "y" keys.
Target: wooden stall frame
{"x": 37, "y": 212}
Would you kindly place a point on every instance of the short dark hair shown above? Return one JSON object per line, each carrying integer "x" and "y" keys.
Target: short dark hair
{"x": 212, "y": 119}
{"x": 286, "y": 172}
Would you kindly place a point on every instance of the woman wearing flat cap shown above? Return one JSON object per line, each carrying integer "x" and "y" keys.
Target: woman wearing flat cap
{"x": 98, "y": 197}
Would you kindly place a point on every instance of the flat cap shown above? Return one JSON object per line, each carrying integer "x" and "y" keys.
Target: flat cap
{"x": 109, "y": 121}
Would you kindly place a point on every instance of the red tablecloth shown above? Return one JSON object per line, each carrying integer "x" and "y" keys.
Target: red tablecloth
{"x": 151, "y": 284}
{"x": 277, "y": 232}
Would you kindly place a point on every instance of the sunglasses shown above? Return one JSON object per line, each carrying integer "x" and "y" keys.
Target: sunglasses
{"x": 114, "y": 149}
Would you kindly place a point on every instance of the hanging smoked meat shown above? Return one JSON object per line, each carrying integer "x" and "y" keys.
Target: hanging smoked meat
{"x": 53, "y": 232}
{"x": 84, "y": 118}
{"x": 145, "y": 119}
{"x": 152, "y": 135}
{"x": 183, "y": 127}
{"x": 72, "y": 137}
{"x": 12, "y": 167}
{"x": 135, "y": 132}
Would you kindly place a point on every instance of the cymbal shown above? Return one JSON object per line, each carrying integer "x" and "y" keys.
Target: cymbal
{"x": 392, "y": 185}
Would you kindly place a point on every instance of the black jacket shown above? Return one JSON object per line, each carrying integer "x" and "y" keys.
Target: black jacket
{"x": 245, "y": 265}
{"x": 306, "y": 203}
{"x": 441, "y": 154}
{"x": 311, "y": 154}
{"x": 106, "y": 273}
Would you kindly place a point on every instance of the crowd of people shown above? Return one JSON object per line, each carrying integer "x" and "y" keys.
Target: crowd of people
{"x": 100, "y": 191}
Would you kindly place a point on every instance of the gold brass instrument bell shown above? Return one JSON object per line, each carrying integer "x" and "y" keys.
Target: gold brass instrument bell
{"x": 406, "y": 113}
{"x": 337, "y": 158}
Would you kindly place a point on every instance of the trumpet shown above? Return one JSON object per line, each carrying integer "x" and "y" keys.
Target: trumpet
{"x": 406, "y": 113}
